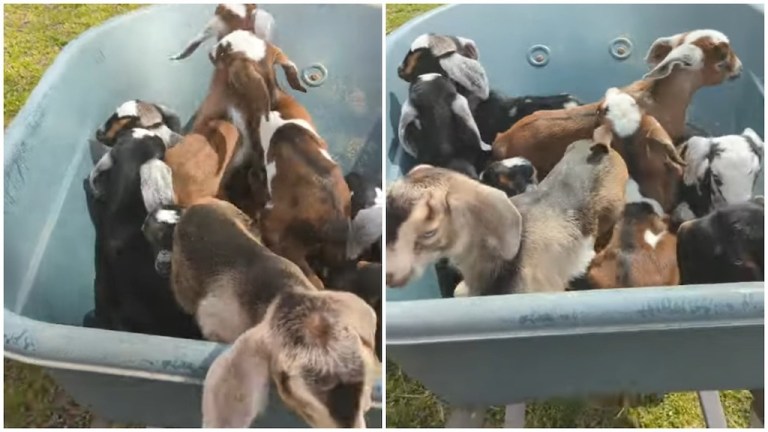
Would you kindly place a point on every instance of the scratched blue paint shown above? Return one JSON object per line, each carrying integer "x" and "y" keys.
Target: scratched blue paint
{"x": 503, "y": 349}
{"x": 49, "y": 238}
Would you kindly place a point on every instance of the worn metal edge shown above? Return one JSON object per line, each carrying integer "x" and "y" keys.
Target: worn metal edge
{"x": 575, "y": 313}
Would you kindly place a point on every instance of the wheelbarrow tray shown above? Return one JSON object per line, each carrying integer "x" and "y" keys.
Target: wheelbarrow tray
{"x": 49, "y": 238}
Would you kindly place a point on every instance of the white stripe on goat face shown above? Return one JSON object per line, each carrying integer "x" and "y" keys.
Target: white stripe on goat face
{"x": 736, "y": 166}
{"x": 244, "y": 42}
{"x": 128, "y": 109}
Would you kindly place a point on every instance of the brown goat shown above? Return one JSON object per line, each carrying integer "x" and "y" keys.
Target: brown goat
{"x": 682, "y": 64}
{"x": 199, "y": 160}
{"x": 651, "y": 157}
{"x": 243, "y": 90}
{"x": 641, "y": 253}
{"x": 310, "y": 205}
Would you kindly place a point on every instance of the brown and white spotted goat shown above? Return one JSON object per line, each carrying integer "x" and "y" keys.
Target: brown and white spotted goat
{"x": 309, "y": 210}
{"x": 243, "y": 90}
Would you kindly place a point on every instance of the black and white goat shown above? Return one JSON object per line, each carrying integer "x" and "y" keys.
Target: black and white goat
{"x": 130, "y": 294}
{"x": 437, "y": 128}
{"x": 367, "y": 198}
{"x": 723, "y": 246}
{"x": 132, "y": 117}
{"x": 719, "y": 171}
{"x": 513, "y": 176}
{"x": 457, "y": 58}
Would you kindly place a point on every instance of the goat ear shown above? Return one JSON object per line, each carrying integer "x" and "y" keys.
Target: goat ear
{"x": 467, "y": 72}
{"x": 243, "y": 75}
{"x": 656, "y": 133}
{"x": 408, "y": 114}
{"x": 685, "y": 56}
{"x": 170, "y": 118}
{"x": 603, "y": 135}
{"x": 460, "y": 107}
{"x": 236, "y": 387}
{"x": 156, "y": 184}
{"x": 754, "y": 139}
{"x": 469, "y": 48}
{"x": 659, "y": 50}
{"x": 290, "y": 70}
{"x": 95, "y": 178}
{"x": 263, "y": 23}
{"x": 210, "y": 30}
{"x": 440, "y": 45}
{"x": 97, "y": 149}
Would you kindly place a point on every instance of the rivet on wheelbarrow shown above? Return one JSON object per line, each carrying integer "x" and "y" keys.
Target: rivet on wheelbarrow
{"x": 621, "y": 48}
{"x": 538, "y": 55}
{"x": 314, "y": 75}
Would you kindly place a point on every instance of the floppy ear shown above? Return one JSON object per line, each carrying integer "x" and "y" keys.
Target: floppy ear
{"x": 440, "y": 45}
{"x": 170, "y": 117}
{"x": 660, "y": 48}
{"x": 656, "y": 133}
{"x": 95, "y": 177}
{"x": 243, "y": 75}
{"x": 460, "y": 107}
{"x": 469, "y": 48}
{"x": 98, "y": 150}
{"x": 408, "y": 114}
{"x": 685, "y": 56}
{"x": 263, "y": 23}
{"x": 290, "y": 70}
{"x": 236, "y": 387}
{"x": 365, "y": 230}
{"x": 754, "y": 140}
{"x": 156, "y": 184}
{"x": 467, "y": 72}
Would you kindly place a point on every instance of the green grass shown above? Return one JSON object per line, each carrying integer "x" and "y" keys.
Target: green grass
{"x": 34, "y": 35}
{"x": 409, "y": 404}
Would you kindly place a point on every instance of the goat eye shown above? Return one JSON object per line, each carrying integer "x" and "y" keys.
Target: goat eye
{"x": 428, "y": 234}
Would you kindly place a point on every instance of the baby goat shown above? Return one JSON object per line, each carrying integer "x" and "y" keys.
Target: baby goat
{"x": 228, "y": 18}
{"x": 723, "y": 246}
{"x": 720, "y": 171}
{"x": 436, "y": 127}
{"x": 130, "y": 295}
{"x": 243, "y": 90}
{"x": 367, "y": 212}
{"x": 498, "y": 243}
{"x": 450, "y": 56}
{"x": 317, "y": 346}
{"x": 641, "y": 253}
{"x": 130, "y": 115}
{"x": 456, "y": 58}
{"x": 651, "y": 158}
{"x": 309, "y": 210}
{"x": 199, "y": 160}
{"x": 682, "y": 64}
{"x": 513, "y": 176}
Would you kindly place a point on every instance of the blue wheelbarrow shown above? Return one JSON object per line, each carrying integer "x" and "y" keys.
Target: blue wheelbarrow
{"x": 49, "y": 271}
{"x": 505, "y": 350}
